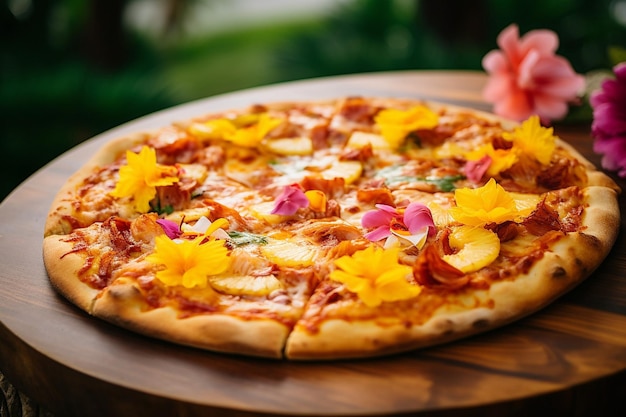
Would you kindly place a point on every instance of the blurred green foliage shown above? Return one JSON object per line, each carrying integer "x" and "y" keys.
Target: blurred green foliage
{"x": 70, "y": 69}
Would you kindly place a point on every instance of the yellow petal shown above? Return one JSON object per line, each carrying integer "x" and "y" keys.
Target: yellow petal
{"x": 532, "y": 139}
{"x": 396, "y": 124}
{"x": 488, "y": 204}
{"x": 317, "y": 200}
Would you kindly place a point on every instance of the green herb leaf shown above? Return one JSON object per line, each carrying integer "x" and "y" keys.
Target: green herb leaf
{"x": 245, "y": 238}
{"x": 393, "y": 175}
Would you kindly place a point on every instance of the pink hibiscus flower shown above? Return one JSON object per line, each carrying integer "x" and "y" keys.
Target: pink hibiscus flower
{"x": 412, "y": 224}
{"x": 609, "y": 121}
{"x": 526, "y": 77}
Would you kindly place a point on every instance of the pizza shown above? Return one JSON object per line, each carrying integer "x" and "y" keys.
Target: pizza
{"x": 342, "y": 228}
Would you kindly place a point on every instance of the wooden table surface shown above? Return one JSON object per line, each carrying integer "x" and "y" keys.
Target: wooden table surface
{"x": 569, "y": 359}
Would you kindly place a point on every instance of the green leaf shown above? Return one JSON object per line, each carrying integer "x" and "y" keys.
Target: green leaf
{"x": 245, "y": 238}
{"x": 393, "y": 175}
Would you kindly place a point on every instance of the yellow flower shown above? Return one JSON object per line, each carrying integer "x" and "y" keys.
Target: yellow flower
{"x": 140, "y": 177}
{"x": 375, "y": 275}
{"x": 501, "y": 159}
{"x": 395, "y": 124}
{"x": 532, "y": 139}
{"x": 248, "y": 130}
{"x": 250, "y": 136}
{"x": 188, "y": 262}
{"x": 488, "y": 204}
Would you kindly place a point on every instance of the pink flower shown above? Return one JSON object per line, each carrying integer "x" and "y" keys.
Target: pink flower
{"x": 291, "y": 199}
{"x": 171, "y": 229}
{"x": 413, "y": 224}
{"x": 526, "y": 77}
{"x": 474, "y": 170}
{"x": 609, "y": 121}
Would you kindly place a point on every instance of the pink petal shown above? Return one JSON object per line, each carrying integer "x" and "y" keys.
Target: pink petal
{"x": 508, "y": 41}
{"x": 417, "y": 216}
{"x": 291, "y": 199}
{"x": 378, "y": 234}
{"x": 171, "y": 229}
{"x": 544, "y": 41}
{"x": 614, "y": 150}
{"x": 378, "y": 218}
{"x": 609, "y": 120}
{"x": 474, "y": 170}
{"x": 498, "y": 87}
{"x": 496, "y": 62}
{"x": 620, "y": 71}
{"x": 525, "y": 75}
{"x": 566, "y": 87}
{"x": 516, "y": 106}
{"x": 549, "y": 107}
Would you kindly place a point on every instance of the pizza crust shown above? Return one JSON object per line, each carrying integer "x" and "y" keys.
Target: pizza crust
{"x": 122, "y": 305}
{"x": 63, "y": 268}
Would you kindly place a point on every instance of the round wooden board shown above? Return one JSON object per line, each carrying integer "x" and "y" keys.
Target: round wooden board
{"x": 568, "y": 358}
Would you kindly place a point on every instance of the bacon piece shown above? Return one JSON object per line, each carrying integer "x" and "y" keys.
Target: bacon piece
{"x": 330, "y": 233}
{"x": 145, "y": 228}
{"x": 211, "y": 157}
{"x": 542, "y": 220}
{"x": 319, "y": 136}
{"x": 176, "y": 196}
{"x": 362, "y": 154}
{"x": 120, "y": 235}
{"x": 375, "y": 196}
{"x": 174, "y": 145}
{"x": 506, "y": 231}
{"x": 333, "y": 209}
{"x": 562, "y": 174}
{"x": 430, "y": 269}
{"x": 358, "y": 109}
{"x": 221, "y": 211}
{"x": 332, "y": 188}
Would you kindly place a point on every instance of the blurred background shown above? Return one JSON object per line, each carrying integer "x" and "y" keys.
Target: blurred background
{"x": 70, "y": 69}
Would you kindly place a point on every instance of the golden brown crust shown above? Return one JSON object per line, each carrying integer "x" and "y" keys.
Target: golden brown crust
{"x": 63, "y": 268}
{"x": 123, "y": 306}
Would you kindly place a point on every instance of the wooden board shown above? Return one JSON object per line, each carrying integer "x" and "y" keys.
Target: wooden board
{"x": 568, "y": 358}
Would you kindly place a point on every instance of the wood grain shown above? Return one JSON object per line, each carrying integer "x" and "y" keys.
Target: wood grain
{"x": 569, "y": 359}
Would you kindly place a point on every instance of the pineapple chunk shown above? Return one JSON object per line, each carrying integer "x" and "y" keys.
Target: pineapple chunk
{"x": 525, "y": 203}
{"x": 477, "y": 247}
{"x": 350, "y": 171}
{"x": 290, "y": 146}
{"x": 289, "y": 253}
{"x": 263, "y": 212}
{"x": 245, "y": 284}
{"x": 195, "y": 172}
{"x": 189, "y": 215}
{"x": 441, "y": 216}
{"x": 359, "y": 140}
